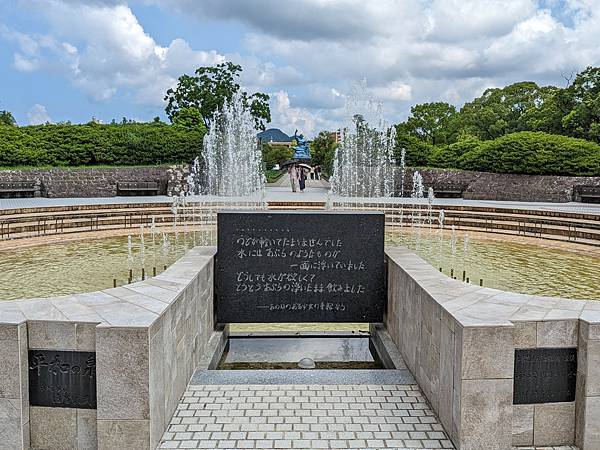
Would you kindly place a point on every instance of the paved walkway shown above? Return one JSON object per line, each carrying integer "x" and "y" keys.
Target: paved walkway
{"x": 304, "y": 417}
{"x": 268, "y": 415}
{"x": 316, "y": 192}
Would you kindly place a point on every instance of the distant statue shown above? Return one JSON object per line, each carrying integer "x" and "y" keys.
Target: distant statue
{"x": 301, "y": 149}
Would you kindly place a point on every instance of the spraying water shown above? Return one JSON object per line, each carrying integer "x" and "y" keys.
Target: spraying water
{"x": 453, "y": 244}
{"x": 129, "y": 253}
{"x": 402, "y": 170}
{"x": 417, "y": 194}
{"x": 441, "y": 218}
{"x": 363, "y": 165}
{"x": 142, "y": 247}
{"x": 232, "y": 157}
{"x": 430, "y": 200}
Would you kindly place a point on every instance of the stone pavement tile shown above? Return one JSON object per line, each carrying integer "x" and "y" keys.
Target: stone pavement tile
{"x": 307, "y": 417}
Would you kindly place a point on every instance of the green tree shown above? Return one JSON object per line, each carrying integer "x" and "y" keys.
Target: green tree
{"x": 94, "y": 143}
{"x": 431, "y": 122}
{"x": 449, "y": 155}
{"x": 501, "y": 111}
{"x": 208, "y": 91}
{"x": 6, "y": 118}
{"x": 189, "y": 118}
{"x": 275, "y": 154}
{"x": 322, "y": 151}
{"x": 417, "y": 151}
{"x": 584, "y": 118}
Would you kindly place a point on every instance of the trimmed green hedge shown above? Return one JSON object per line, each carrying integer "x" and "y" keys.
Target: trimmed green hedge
{"x": 526, "y": 152}
{"x": 533, "y": 153}
{"x": 93, "y": 144}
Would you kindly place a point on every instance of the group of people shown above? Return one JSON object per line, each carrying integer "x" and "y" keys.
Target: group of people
{"x": 299, "y": 174}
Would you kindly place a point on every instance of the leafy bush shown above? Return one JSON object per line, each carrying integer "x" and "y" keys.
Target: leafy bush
{"x": 93, "y": 144}
{"x": 534, "y": 153}
{"x": 448, "y": 156}
{"x": 417, "y": 151}
{"x": 275, "y": 154}
{"x": 273, "y": 175}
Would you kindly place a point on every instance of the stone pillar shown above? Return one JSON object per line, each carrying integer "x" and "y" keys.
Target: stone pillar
{"x": 484, "y": 390}
{"x": 14, "y": 387}
{"x": 587, "y": 431}
{"x": 122, "y": 373}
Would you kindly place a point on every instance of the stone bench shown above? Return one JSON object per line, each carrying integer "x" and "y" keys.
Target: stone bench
{"x": 17, "y": 189}
{"x": 137, "y": 188}
{"x": 448, "y": 190}
{"x": 586, "y": 194}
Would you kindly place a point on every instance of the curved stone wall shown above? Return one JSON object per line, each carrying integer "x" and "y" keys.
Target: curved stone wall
{"x": 148, "y": 338}
{"x": 459, "y": 342}
{"x": 457, "y": 339}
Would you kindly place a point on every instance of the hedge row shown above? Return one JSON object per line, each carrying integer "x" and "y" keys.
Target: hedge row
{"x": 82, "y": 145}
{"x": 533, "y": 153}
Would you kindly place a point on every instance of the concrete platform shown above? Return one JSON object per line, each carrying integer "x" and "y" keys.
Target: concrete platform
{"x": 316, "y": 191}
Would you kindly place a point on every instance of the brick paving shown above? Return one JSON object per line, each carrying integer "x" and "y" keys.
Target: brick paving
{"x": 307, "y": 417}
{"x": 304, "y": 417}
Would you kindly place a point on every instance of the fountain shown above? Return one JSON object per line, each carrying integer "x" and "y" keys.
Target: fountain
{"x": 363, "y": 165}
{"x": 232, "y": 157}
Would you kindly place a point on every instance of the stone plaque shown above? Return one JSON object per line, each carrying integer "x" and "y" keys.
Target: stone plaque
{"x": 300, "y": 267}
{"x": 62, "y": 379}
{"x": 545, "y": 375}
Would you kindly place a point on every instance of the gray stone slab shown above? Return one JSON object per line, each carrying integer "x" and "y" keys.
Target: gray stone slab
{"x": 557, "y": 333}
{"x": 326, "y": 377}
{"x": 554, "y": 424}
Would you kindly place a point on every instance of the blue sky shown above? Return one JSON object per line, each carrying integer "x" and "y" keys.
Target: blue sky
{"x": 76, "y": 59}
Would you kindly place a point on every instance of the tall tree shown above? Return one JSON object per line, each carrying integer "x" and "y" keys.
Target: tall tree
{"x": 584, "y": 118}
{"x": 322, "y": 150}
{"x": 208, "y": 91}
{"x": 501, "y": 111}
{"x": 6, "y": 118}
{"x": 431, "y": 122}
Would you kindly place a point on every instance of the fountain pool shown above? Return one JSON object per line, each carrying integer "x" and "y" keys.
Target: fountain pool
{"x": 93, "y": 264}
{"x": 83, "y": 266}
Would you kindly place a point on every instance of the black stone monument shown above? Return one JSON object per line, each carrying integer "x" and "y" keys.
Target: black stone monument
{"x": 545, "y": 375}
{"x": 62, "y": 379}
{"x": 300, "y": 267}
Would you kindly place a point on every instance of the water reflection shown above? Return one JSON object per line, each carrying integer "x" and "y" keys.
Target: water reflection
{"x": 285, "y": 352}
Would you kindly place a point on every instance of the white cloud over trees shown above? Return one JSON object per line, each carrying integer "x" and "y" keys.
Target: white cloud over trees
{"x": 307, "y": 53}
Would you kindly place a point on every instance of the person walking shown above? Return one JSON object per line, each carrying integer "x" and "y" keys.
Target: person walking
{"x": 302, "y": 178}
{"x": 293, "y": 173}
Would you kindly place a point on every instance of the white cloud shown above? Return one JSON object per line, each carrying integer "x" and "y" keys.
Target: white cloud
{"x": 309, "y": 52}
{"x": 395, "y": 91}
{"x": 103, "y": 49}
{"x": 38, "y": 115}
{"x": 290, "y": 118}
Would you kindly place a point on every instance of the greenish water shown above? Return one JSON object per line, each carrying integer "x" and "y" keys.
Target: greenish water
{"x": 89, "y": 265}
{"x": 84, "y": 266}
{"x": 509, "y": 265}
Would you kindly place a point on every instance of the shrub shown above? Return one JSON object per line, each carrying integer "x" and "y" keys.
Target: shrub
{"x": 448, "y": 155}
{"x": 534, "y": 153}
{"x": 417, "y": 151}
{"x": 275, "y": 154}
{"x": 115, "y": 144}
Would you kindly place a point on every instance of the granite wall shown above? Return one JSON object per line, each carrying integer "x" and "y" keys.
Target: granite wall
{"x": 102, "y": 182}
{"x": 89, "y": 182}
{"x": 459, "y": 342}
{"x": 499, "y": 186}
{"x": 148, "y": 338}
